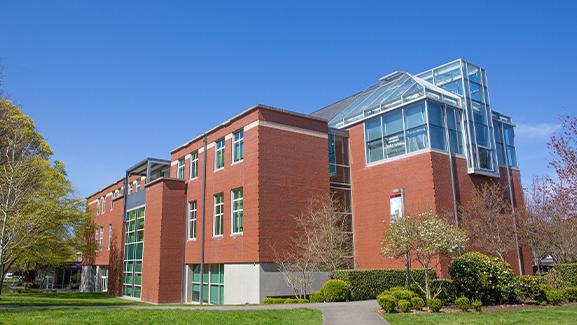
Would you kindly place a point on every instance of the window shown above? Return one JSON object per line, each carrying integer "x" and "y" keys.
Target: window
{"x": 394, "y": 138}
{"x": 374, "y": 140}
{"x": 129, "y": 188}
{"x": 510, "y": 145}
{"x": 133, "y": 247}
{"x": 111, "y": 201}
{"x": 454, "y": 117}
{"x": 100, "y": 239}
{"x": 98, "y": 206}
{"x": 109, "y": 236}
{"x": 137, "y": 185}
{"x": 219, "y": 154}
{"x": 194, "y": 165}
{"x": 103, "y": 278}
{"x": 238, "y": 146}
{"x": 192, "y": 220}
{"x": 217, "y": 229}
{"x": 237, "y": 211}
{"x": 96, "y": 236}
{"x": 436, "y": 125}
{"x": 416, "y": 128}
{"x": 212, "y": 281}
{"x": 180, "y": 170}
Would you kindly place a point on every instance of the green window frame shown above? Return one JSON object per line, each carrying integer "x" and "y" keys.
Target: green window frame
{"x": 237, "y": 207}
{"x": 219, "y": 154}
{"x": 194, "y": 165}
{"x": 218, "y": 214}
{"x": 133, "y": 251}
{"x": 212, "y": 281}
{"x": 238, "y": 146}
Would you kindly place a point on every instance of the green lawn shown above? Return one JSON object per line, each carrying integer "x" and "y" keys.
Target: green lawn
{"x": 127, "y": 316}
{"x": 541, "y": 315}
{"x": 61, "y": 299}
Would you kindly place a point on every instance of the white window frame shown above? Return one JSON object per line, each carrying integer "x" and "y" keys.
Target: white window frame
{"x": 192, "y": 212}
{"x": 193, "y": 164}
{"x": 98, "y": 206}
{"x": 109, "y": 235}
{"x": 180, "y": 168}
{"x": 218, "y": 215}
{"x": 232, "y": 210}
{"x": 217, "y": 150}
{"x": 103, "y": 279}
{"x": 101, "y": 238}
{"x": 234, "y": 142}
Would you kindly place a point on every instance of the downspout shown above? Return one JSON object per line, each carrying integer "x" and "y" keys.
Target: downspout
{"x": 202, "y": 233}
{"x": 517, "y": 247}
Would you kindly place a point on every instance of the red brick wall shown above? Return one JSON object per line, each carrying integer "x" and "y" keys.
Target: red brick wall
{"x": 163, "y": 253}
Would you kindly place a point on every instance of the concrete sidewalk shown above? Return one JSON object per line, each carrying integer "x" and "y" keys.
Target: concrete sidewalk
{"x": 336, "y": 313}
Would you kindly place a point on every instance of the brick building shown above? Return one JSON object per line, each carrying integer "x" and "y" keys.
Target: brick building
{"x": 224, "y": 202}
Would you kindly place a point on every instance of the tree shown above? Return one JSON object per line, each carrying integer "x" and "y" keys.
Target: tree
{"x": 429, "y": 238}
{"x": 38, "y": 209}
{"x": 488, "y": 219}
{"x": 320, "y": 243}
{"x": 397, "y": 240}
{"x": 563, "y": 147}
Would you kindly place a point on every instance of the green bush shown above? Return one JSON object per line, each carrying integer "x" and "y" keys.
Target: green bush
{"x": 417, "y": 303}
{"x": 445, "y": 289}
{"x": 553, "y": 296}
{"x": 555, "y": 279}
{"x": 402, "y": 293}
{"x": 483, "y": 277}
{"x": 435, "y": 304}
{"x": 477, "y": 304}
{"x": 568, "y": 272}
{"x": 336, "y": 290}
{"x": 367, "y": 284}
{"x": 295, "y": 301}
{"x": 404, "y": 305}
{"x": 387, "y": 302}
{"x": 317, "y": 296}
{"x": 570, "y": 294}
{"x": 530, "y": 287}
{"x": 273, "y": 301}
{"x": 463, "y": 303}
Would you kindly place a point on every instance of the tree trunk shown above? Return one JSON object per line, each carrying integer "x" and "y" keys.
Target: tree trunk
{"x": 427, "y": 288}
{"x": 407, "y": 271}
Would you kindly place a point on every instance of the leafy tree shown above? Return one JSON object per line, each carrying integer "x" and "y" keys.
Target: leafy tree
{"x": 429, "y": 237}
{"x": 39, "y": 213}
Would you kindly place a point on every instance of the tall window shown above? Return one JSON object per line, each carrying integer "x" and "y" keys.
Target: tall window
{"x": 217, "y": 229}
{"x": 180, "y": 170}
{"x": 103, "y": 278}
{"x": 436, "y": 127}
{"x": 219, "y": 154}
{"x": 237, "y": 210}
{"x": 109, "y": 235}
{"x": 238, "y": 146}
{"x": 129, "y": 188}
{"x": 133, "y": 246}
{"x": 416, "y": 127}
{"x": 101, "y": 238}
{"x": 192, "y": 220}
{"x": 194, "y": 165}
{"x": 111, "y": 201}
{"x": 98, "y": 206}
{"x": 454, "y": 124}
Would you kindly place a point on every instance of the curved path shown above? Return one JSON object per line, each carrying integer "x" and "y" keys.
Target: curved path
{"x": 336, "y": 313}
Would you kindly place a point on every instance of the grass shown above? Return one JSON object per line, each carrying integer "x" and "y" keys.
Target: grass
{"x": 538, "y": 315}
{"x": 126, "y": 316}
{"x": 62, "y": 299}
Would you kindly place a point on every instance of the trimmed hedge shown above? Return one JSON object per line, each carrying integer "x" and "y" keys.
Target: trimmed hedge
{"x": 367, "y": 284}
{"x": 275, "y": 301}
{"x": 568, "y": 272}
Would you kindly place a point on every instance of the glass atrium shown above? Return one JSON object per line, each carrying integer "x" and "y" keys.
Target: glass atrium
{"x": 443, "y": 109}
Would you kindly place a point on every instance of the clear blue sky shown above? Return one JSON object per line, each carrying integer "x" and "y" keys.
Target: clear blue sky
{"x": 111, "y": 82}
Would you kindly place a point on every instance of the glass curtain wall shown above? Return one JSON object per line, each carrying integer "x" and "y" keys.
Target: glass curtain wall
{"x": 340, "y": 183}
{"x": 418, "y": 126}
{"x": 505, "y": 140}
{"x": 133, "y": 245}
{"x": 470, "y": 82}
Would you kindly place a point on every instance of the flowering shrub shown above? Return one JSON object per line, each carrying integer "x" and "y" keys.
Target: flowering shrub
{"x": 483, "y": 277}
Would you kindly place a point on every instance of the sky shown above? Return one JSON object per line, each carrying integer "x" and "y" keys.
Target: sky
{"x": 109, "y": 83}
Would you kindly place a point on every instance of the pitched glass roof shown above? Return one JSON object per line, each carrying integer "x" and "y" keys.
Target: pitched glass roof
{"x": 394, "y": 90}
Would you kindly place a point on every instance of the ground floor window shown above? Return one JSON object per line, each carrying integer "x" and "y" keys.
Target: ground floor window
{"x": 212, "y": 283}
{"x": 103, "y": 275}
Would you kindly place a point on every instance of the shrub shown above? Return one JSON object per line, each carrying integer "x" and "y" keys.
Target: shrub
{"x": 295, "y": 301}
{"x": 336, "y": 290}
{"x": 552, "y": 295}
{"x": 483, "y": 277}
{"x": 568, "y": 272}
{"x": 529, "y": 287}
{"x": 404, "y": 305}
{"x": 477, "y": 304}
{"x": 417, "y": 303}
{"x": 435, "y": 304}
{"x": 273, "y": 301}
{"x": 555, "y": 279}
{"x": 402, "y": 293}
{"x": 463, "y": 303}
{"x": 317, "y": 296}
{"x": 570, "y": 294}
{"x": 367, "y": 284}
{"x": 387, "y": 302}
{"x": 445, "y": 288}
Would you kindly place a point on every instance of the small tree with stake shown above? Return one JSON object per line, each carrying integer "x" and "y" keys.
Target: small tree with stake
{"x": 428, "y": 238}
